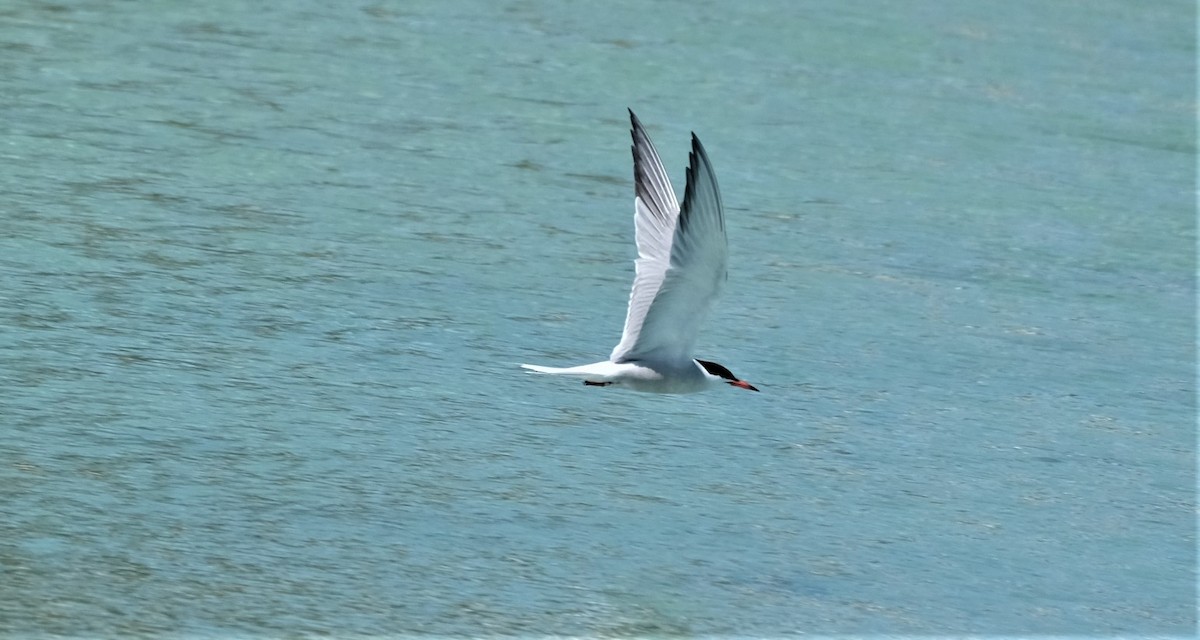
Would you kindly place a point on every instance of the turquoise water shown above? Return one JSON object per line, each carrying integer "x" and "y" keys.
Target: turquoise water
{"x": 267, "y": 269}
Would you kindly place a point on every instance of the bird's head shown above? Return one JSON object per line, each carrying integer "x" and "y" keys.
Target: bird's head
{"x": 719, "y": 372}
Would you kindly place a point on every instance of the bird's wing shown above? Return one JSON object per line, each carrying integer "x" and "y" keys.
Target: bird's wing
{"x": 682, "y": 255}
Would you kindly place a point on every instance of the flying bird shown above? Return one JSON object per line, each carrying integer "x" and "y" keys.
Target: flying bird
{"x": 681, "y": 265}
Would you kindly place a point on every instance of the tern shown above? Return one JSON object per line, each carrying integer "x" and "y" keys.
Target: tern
{"x": 681, "y": 265}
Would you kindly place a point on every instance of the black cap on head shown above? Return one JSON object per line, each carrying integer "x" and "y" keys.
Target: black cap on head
{"x": 717, "y": 370}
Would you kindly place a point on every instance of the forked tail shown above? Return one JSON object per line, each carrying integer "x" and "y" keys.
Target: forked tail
{"x": 561, "y": 371}
{"x": 595, "y": 372}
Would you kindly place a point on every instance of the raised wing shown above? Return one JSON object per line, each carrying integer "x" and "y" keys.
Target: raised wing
{"x": 655, "y": 214}
{"x": 682, "y": 255}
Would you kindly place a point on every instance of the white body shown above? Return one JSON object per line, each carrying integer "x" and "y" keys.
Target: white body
{"x": 666, "y": 377}
{"x": 681, "y": 265}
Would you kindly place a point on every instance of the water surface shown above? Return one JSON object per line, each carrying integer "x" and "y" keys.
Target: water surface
{"x": 266, "y": 272}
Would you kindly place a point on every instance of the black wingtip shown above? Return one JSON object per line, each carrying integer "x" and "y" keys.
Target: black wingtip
{"x": 635, "y": 126}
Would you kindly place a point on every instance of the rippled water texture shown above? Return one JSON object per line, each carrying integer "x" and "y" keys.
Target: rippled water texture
{"x": 267, "y": 269}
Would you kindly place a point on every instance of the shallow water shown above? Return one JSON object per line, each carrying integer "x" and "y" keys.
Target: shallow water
{"x": 266, "y": 272}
